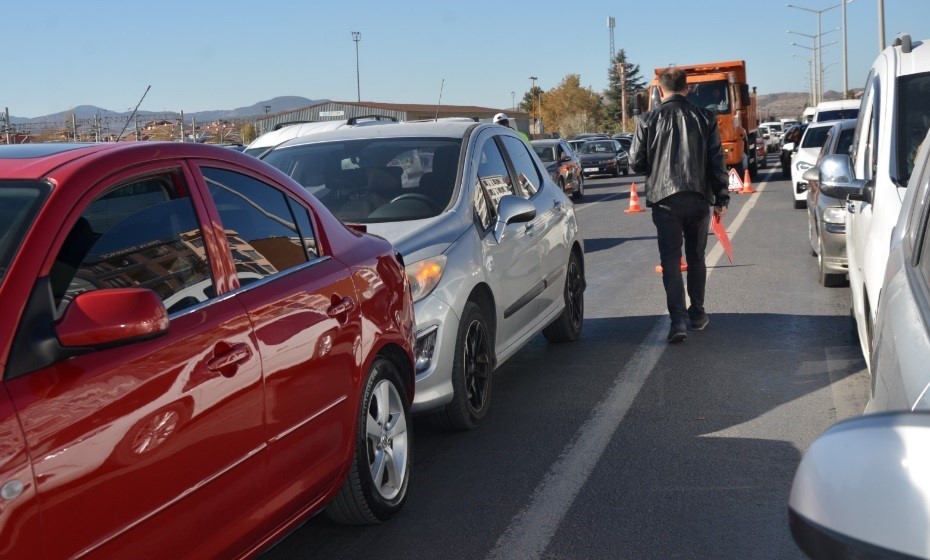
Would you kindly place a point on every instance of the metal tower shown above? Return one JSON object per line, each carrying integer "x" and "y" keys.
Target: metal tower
{"x": 611, "y": 23}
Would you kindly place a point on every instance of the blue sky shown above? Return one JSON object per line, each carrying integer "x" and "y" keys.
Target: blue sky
{"x": 209, "y": 54}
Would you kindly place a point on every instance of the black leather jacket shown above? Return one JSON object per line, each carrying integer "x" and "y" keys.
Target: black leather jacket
{"x": 677, "y": 146}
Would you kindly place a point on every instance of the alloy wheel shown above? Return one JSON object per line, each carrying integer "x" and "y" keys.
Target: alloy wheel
{"x": 575, "y": 299}
{"x": 477, "y": 365}
{"x": 386, "y": 432}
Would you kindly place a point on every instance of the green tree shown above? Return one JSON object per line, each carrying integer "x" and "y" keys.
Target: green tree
{"x": 529, "y": 99}
{"x": 247, "y": 133}
{"x": 569, "y": 108}
{"x": 613, "y": 95}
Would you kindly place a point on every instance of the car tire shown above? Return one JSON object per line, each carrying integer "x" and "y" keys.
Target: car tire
{"x": 567, "y": 326}
{"x": 471, "y": 373}
{"x": 382, "y": 435}
{"x": 827, "y": 280}
{"x": 579, "y": 192}
{"x": 800, "y": 204}
{"x": 810, "y": 237}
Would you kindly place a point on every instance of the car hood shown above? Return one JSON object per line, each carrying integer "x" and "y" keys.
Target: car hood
{"x": 420, "y": 239}
{"x": 808, "y": 155}
{"x": 595, "y": 157}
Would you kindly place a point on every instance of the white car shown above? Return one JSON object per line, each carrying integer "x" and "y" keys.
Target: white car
{"x": 892, "y": 124}
{"x": 901, "y": 351}
{"x": 805, "y": 157}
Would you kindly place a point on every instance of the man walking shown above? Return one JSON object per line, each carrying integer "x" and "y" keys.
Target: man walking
{"x": 677, "y": 147}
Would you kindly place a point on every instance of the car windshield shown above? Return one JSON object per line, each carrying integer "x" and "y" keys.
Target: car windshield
{"x": 545, "y": 153}
{"x": 19, "y": 203}
{"x": 710, "y": 95}
{"x": 815, "y": 137}
{"x": 375, "y": 180}
{"x": 913, "y": 118}
{"x": 597, "y": 148}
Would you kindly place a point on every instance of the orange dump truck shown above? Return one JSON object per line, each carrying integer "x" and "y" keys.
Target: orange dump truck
{"x": 721, "y": 87}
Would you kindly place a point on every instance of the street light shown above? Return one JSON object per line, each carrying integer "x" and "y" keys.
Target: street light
{"x": 357, "y": 36}
{"x": 810, "y": 81}
{"x": 532, "y": 94}
{"x": 819, "y": 12}
{"x": 513, "y": 101}
{"x": 818, "y": 60}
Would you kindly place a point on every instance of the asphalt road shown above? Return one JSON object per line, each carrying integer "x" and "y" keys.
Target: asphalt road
{"x": 622, "y": 446}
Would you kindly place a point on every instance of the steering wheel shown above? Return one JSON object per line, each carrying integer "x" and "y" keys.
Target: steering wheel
{"x": 419, "y": 197}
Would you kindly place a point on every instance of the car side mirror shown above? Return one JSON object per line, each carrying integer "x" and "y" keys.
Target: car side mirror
{"x": 861, "y": 489}
{"x": 811, "y": 177}
{"x": 103, "y": 318}
{"x": 863, "y": 191}
{"x": 789, "y": 147}
{"x": 836, "y": 176}
{"x": 512, "y": 209}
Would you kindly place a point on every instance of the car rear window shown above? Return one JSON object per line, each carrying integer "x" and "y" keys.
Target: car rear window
{"x": 837, "y": 115}
{"x": 375, "y": 180}
{"x": 815, "y": 137}
{"x": 545, "y": 153}
{"x": 19, "y": 204}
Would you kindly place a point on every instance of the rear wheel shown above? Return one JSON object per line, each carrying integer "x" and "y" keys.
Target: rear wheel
{"x": 380, "y": 473}
{"x": 471, "y": 373}
{"x": 567, "y": 327}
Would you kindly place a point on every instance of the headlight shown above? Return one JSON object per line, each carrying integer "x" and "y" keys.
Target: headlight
{"x": 834, "y": 215}
{"x": 803, "y": 166}
{"x": 425, "y": 275}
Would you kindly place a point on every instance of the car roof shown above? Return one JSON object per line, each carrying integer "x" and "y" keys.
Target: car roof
{"x": 838, "y": 104}
{"x": 546, "y": 141}
{"x": 431, "y": 129}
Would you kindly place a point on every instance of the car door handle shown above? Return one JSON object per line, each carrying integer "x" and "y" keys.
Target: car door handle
{"x": 236, "y": 354}
{"x": 347, "y": 304}
{"x": 530, "y": 228}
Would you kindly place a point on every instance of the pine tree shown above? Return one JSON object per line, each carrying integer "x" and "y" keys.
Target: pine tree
{"x": 613, "y": 94}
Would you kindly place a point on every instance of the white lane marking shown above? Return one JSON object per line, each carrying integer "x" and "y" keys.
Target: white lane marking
{"x": 531, "y": 530}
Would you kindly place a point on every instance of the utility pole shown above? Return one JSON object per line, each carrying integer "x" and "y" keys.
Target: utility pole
{"x": 621, "y": 69}
{"x": 74, "y": 126}
{"x": 357, "y": 36}
{"x": 881, "y": 25}
{"x": 6, "y": 124}
{"x": 181, "y": 122}
{"x": 533, "y": 105}
{"x": 611, "y": 23}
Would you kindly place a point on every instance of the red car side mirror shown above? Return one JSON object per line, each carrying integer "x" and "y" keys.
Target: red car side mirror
{"x": 110, "y": 316}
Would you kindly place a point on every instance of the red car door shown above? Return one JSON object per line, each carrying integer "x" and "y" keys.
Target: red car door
{"x": 306, "y": 316}
{"x": 149, "y": 449}
{"x": 20, "y": 530}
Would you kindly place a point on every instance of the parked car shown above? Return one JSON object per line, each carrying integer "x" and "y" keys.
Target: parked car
{"x": 626, "y": 142}
{"x": 604, "y": 156}
{"x": 901, "y": 345}
{"x": 836, "y": 110}
{"x": 791, "y": 139}
{"x": 892, "y": 124}
{"x": 769, "y": 140}
{"x": 804, "y": 158}
{"x": 563, "y": 165}
{"x": 576, "y": 145}
{"x": 807, "y": 116}
{"x": 590, "y": 135}
{"x": 287, "y": 131}
{"x": 490, "y": 241}
{"x": 761, "y": 153}
{"x": 861, "y": 489}
{"x": 775, "y": 131}
{"x": 278, "y": 382}
{"x": 826, "y": 208}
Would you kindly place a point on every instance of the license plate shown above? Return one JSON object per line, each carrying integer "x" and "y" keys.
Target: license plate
{"x": 589, "y": 169}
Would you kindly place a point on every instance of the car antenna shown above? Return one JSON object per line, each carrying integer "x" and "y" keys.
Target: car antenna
{"x": 440, "y": 98}
{"x": 133, "y": 114}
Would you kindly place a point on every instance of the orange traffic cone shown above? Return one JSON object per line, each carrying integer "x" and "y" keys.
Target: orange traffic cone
{"x": 747, "y": 184}
{"x": 634, "y": 201}
{"x": 683, "y": 266}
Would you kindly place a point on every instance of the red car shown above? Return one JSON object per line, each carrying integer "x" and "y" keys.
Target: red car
{"x": 196, "y": 355}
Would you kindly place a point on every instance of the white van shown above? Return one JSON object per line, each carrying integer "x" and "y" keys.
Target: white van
{"x": 808, "y": 114}
{"x": 836, "y": 110}
{"x": 892, "y": 124}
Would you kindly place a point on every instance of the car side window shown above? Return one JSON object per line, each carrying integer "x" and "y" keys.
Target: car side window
{"x": 493, "y": 182}
{"x": 263, "y": 234}
{"x": 864, "y": 118}
{"x": 150, "y": 238}
{"x": 528, "y": 177}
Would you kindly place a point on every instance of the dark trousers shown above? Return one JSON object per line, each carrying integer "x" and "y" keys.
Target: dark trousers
{"x": 682, "y": 216}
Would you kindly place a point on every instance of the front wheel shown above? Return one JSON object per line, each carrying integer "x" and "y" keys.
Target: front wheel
{"x": 380, "y": 473}
{"x": 827, "y": 280}
{"x": 471, "y": 373}
{"x": 579, "y": 192}
{"x": 567, "y": 326}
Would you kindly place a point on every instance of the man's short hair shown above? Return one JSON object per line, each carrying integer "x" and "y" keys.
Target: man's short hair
{"x": 673, "y": 80}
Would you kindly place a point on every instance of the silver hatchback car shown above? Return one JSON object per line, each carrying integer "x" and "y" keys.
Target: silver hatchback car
{"x": 491, "y": 243}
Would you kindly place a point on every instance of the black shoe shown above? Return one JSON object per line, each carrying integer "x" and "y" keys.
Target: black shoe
{"x": 699, "y": 322}
{"x": 678, "y": 332}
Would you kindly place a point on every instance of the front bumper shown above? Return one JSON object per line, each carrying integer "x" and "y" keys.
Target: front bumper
{"x": 434, "y": 382}
{"x": 833, "y": 237}
{"x": 599, "y": 168}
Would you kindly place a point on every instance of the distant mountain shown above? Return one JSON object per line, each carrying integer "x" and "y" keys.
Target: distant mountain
{"x": 274, "y": 105}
